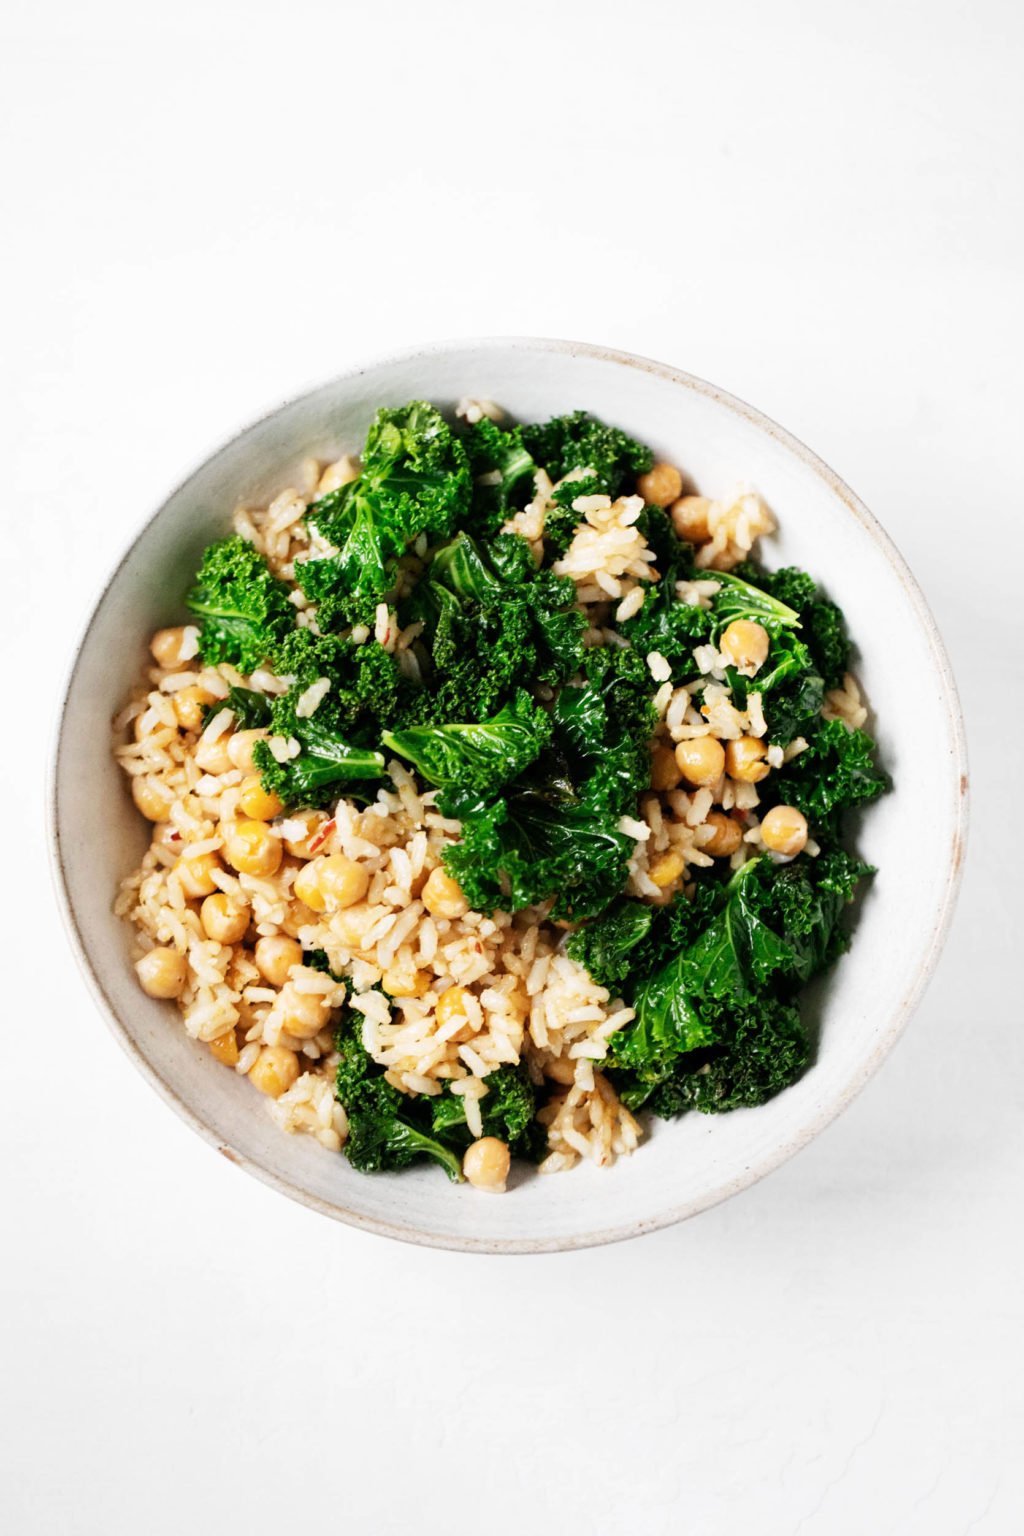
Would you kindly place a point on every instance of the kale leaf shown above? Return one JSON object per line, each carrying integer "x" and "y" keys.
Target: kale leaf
{"x": 476, "y": 758}
{"x": 244, "y": 610}
{"x": 415, "y": 479}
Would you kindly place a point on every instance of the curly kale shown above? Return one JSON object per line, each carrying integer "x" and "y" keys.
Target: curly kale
{"x": 415, "y": 479}
{"x": 391, "y": 1130}
{"x": 723, "y": 1007}
{"x": 821, "y": 621}
{"x": 837, "y": 771}
{"x": 502, "y": 470}
{"x": 244, "y": 610}
{"x": 602, "y": 460}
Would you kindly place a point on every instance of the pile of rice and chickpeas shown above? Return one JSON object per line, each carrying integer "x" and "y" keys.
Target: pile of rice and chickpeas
{"x": 235, "y": 891}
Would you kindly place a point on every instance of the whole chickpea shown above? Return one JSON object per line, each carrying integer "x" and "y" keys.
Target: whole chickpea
{"x": 166, "y": 646}
{"x": 152, "y": 797}
{"x": 274, "y": 1070}
{"x": 745, "y": 644}
{"x": 275, "y": 954}
{"x": 666, "y": 869}
{"x": 251, "y": 848}
{"x": 690, "y": 518}
{"x": 189, "y": 705}
{"x": 661, "y": 485}
{"x": 256, "y": 802}
{"x": 486, "y": 1164}
{"x": 342, "y": 881}
{"x": 302, "y": 1014}
{"x": 212, "y": 756}
{"x": 196, "y": 872}
{"x": 784, "y": 830}
{"x": 728, "y": 834}
{"x": 665, "y": 770}
{"x": 701, "y": 760}
{"x": 442, "y": 896}
{"x": 162, "y": 973}
{"x": 222, "y": 920}
{"x": 239, "y": 748}
{"x": 745, "y": 760}
{"x": 451, "y": 1005}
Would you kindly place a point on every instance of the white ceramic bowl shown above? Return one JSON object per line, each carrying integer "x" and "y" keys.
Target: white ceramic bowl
{"x": 915, "y": 835}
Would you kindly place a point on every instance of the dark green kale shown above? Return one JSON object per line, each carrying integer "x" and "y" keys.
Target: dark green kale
{"x": 606, "y": 462}
{"x": 522, "y": 849}
{"x": 508, "y": 1110}
{"x": 664, "y": 623}
{"x": 415, "y": 479}
{"x": 330, "y": 761}
{"x": 250, "y": 709}
{"x": 761, "y": 1047}
{"x": 476, "y": 758}
{"x": 838, "y": 770}
{"x": 502, "y": 471}
{"x": 386, "y": 1129}
{"x": 723, "y": 1006}
{"x": 607, "y": 946}
{"x": 389, "y": 1129}
{"x": 603, "y": 729}
{"x": 492, "y": 623}
{"x": 244, "y": 610}
{"x": 824, "y": 630}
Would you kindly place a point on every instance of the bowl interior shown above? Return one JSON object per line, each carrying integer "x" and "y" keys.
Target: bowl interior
{"x": 913, "y": 837}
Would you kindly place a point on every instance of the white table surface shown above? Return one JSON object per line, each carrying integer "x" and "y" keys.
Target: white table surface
{"x": 818, "y": 207}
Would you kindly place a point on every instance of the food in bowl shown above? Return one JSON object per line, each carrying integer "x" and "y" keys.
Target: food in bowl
{"x": 497, "y": 797}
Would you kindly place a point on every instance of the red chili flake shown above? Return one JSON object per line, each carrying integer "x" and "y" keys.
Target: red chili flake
{"x": 322, "y": 836}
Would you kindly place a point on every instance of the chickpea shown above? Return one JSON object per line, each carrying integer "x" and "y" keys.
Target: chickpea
{"x": 275, "y": 955}
{"x": 661, "y": 485}
{"x": 274, "y": 1070}
{"x": 152, "y": 798}
{"x": 258, "y": 803}
{"x": 701, "y": 760}
{"x": 745, "y": 644}
{"x": 166, "y": 646}
{"x": 162, "y": 973}
{"x": 690, "y": 518}
{"x": 189, "y": 705}
{"x": 225, "y": 1049}
{"x": 728, "y": 834}
{"x": 299, "y": 847}
{"x": 351, "y": 924}
{"x": 784, "y": 830}
{"x": 666, "y": 869}
{"x": 240, "y": 747}
{"x": 486, "y": 1164}
{"x": 451, "y": 1005}
{"x": 302, "y": 1014}
{"x": 442, "y": 896}
{"x": 665, "y": 770}
{"x": 196, "y": 871}
{"x": 397, "y": 984}
{"x": 222, "y": 920}
{"x": 251, "y": 848}
{"x": 212, "y": 756}
{"x": 307, "y": 888}
{"x": 342, "y": 881}
{"x": 744, "y": 760}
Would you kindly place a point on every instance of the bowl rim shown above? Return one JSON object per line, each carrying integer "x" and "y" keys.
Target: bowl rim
{"x": 826, "y": 1112}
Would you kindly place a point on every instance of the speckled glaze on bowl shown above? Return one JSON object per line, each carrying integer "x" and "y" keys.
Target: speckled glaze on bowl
{"x": 916, "y": 839}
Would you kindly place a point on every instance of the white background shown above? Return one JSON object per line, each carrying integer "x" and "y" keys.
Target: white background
{"x": 817, "y": 206}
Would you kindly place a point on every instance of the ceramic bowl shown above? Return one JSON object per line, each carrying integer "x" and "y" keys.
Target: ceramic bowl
{"x": 915, "y": 835}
